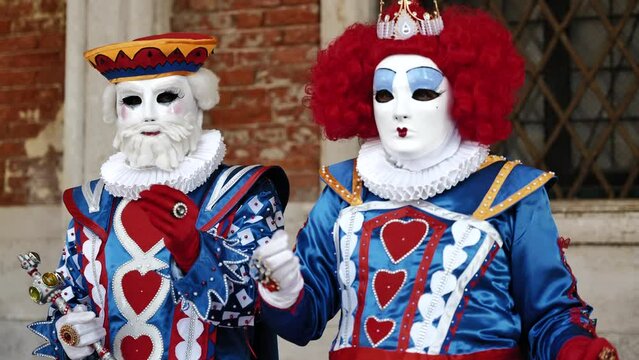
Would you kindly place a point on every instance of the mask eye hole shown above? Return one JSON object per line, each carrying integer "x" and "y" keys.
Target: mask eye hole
{"x": 167, "y": 97}
{"x": 383, "y": 96}
{"x": 425, "y": 95}
{"x": 132, "y": 100}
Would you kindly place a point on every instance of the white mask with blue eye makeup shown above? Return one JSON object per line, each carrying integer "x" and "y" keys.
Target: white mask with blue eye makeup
{"x": 411, "y": 106}
{"x": 158, "y": 121}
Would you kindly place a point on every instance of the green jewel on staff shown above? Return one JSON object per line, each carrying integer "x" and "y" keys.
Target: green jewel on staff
{"x": 34, "y": 293}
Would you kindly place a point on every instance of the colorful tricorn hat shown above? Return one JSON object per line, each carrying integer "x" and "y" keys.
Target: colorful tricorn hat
{"x": 152, "y": 56}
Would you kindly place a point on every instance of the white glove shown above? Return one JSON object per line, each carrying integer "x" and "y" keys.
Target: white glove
{"x": 284, "y": 267}
{"x": 88, "y": 328}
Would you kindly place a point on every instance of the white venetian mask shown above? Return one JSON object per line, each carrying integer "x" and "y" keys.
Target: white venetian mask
{"x": 411, "y": 107}
{"x": 158, "y": 121}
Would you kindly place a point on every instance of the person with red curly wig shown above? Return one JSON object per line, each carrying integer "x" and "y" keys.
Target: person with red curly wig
{"x": 429, "y": 246}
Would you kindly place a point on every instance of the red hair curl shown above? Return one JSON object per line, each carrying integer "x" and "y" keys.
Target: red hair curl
{"x": 474, "y": 51}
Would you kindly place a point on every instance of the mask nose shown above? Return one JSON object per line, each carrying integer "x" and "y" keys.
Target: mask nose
{"x": 401, "y": 112}
{"x": 149, "y": 109}
{"x": 402, "y": 92}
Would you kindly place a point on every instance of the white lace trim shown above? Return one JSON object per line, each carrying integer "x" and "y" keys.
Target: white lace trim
{"x": 122, "y": 180}
{"x": 387, "y": 181}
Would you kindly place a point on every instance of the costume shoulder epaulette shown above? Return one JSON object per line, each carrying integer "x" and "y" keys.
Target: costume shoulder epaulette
{"x": 85, "y": 203}
{"x": 512, "y": 183}
{"x": 344, "y": 180}
{"x": 88, "y": 196}
{"x": 232, "y": 184}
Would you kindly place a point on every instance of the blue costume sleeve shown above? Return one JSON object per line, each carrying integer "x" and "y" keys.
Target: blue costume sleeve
{"x": 218, "y": 283}
{"x": 70, "y": 267}
{"x": 319, "y": 300}
{"x": 543, "y": 285}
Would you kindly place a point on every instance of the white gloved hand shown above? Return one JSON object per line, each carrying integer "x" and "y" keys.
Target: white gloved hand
{"x": 284, "y": 269}
{"x": 88, "y": 328}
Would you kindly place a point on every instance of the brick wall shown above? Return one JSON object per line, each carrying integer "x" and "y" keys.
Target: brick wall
{"x": 31, "y": 95}
{"x": 265, "y": 51}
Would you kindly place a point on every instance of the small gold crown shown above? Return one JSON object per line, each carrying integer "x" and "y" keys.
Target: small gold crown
{"x": 406, "y": 22}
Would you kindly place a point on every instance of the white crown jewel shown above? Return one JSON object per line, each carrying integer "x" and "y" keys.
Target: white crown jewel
{"x": 406, "y": 23}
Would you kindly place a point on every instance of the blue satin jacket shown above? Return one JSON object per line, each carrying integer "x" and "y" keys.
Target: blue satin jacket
{"x": 114, "y": 263}
{"x": 478, "y": 270}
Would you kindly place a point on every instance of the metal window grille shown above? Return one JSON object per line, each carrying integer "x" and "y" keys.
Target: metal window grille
{"x": 578, "y": 113}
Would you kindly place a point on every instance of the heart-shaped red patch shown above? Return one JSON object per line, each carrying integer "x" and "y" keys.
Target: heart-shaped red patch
{"x": 136, "y": 348}
{"x": 386, "y": 285}
{"x": 378, "y": 330}
{"x": 140, "y": 289}
{"x": 137, "y": 225}
{"x": 400, "y": 238}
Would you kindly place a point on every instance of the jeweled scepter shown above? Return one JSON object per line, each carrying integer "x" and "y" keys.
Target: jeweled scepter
{"x": 47, "y": 288}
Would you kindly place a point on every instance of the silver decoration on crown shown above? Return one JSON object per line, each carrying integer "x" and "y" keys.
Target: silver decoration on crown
{"x": 406, "y": 23}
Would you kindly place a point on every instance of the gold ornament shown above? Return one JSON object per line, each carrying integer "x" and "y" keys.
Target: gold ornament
{"x": 69, "y": 335}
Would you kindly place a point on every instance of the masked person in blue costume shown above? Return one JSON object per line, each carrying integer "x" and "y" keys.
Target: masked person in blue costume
{"x": 156, "y": 256}
{"x": 430, "y": 247}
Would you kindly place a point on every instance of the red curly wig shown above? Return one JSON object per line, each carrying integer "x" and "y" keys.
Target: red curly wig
{"x": 474, "y": 51}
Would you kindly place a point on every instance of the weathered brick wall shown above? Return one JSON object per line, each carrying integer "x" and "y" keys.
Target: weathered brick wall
{"x": 265, "y": 51}
{"x": 32, "y": 34}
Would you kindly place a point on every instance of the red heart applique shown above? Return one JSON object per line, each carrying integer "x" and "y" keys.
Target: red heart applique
{"x": 140, "y": 289}
{"x": 136, "y": 348}
{"x": 400, "y": 238}
{"x": 138, "y": 226}
{"x": 387, "y": 284}
{"x": 378, "y": 330}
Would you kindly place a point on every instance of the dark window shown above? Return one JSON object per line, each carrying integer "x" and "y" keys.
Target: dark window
{"x": 578, "y": 113}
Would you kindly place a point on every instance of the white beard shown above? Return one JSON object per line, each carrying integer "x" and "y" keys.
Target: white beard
{"x": 178, "y": 136}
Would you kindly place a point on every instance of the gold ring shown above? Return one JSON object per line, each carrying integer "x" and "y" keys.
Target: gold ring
{"x": 607, "y": 354}
{"x": 180, "y": 210}
{"x": 69, "y": 335}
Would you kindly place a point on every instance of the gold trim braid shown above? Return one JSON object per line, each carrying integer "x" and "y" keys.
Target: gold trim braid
{"x": 483, "y": 211}
{"x": 488, "y": 208}
{"x": 354, "y": 198}
{"x": 491, "y": 159}
{"x": 357, "y": 186}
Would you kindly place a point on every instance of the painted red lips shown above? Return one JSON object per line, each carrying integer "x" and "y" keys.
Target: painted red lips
{"x": 402, "y": 132}
{"x": 150, "y": 133}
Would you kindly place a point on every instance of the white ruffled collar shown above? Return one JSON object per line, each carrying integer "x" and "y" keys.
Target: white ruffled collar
{"x": 444, "y": 151}
{"x": 122, "y": 180}
{"x": 383, "y": 178}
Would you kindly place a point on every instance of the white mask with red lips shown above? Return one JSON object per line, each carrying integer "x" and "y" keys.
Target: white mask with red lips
{"x": 158, "y": 121}
{"x": 411, "y": 107}
{"x": 419, "y": 153}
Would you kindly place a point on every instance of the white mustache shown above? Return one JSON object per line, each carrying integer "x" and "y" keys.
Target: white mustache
{"x": 177, "y": 128}
{"x": 178, "y": 135}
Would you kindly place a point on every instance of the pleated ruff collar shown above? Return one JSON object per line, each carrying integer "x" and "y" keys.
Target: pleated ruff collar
{"x": 392, "y": 181}
{"x": 122, "y": 180}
